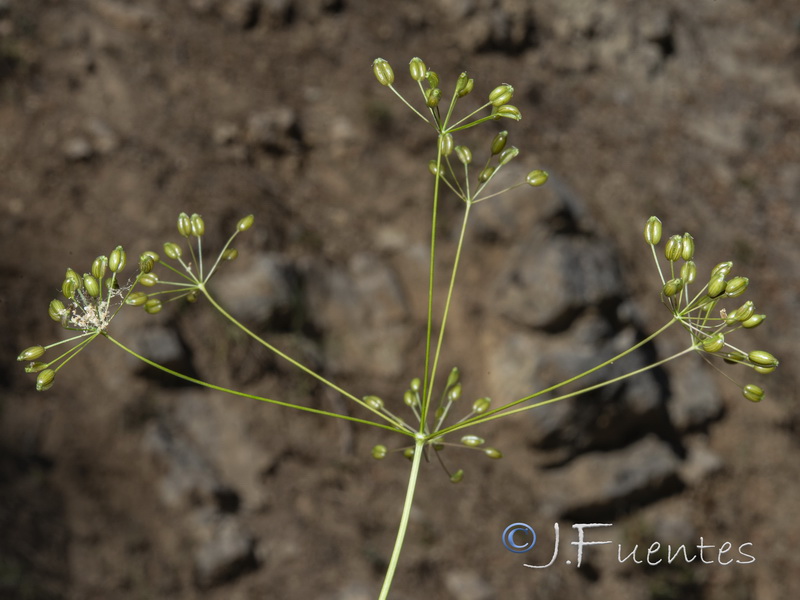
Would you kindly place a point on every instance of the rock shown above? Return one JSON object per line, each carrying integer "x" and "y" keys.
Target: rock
{"x": 468, "y": 585}
{"x": 701, "y": 463}
{"x": 695, "y": 401}
{"x": 241, "y": 13}
{"x": 275, "y": 130}
{"x": 77, "y": 148}
{"x": 223, "y": 552}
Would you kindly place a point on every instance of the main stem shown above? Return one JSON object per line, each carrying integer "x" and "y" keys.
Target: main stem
{"x": 401, "y": 531}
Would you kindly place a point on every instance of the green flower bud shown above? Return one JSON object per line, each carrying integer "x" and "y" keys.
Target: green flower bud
{"x": 689, "y": 272}
{"x": 416, "y": 384}
{"x": 723, "y": 268}
{"x": 230, "y": 254}
{"x": 455, "y": 393}
{"x": 173, "y": 251}
{"x": 99, "y": 267}
{"x": 91, "y": 284}
{"x": 687, "y": 249}
{"x": 410, "y": 398}
{"x": 136, "y": 299}
{"x": 417, "y": 69}
{"x": 36, "y": 367}
{"x": 716, "y": 287}
{"x": 198, "y": 225}
{"x": 44, "y": 380}
{"x": 383, "y": 71}
{"x": 536, "y": 178}
{"x": 433, "y": 79}
{"x": 117, "y": 260}
{"x": 457, "y": 476}
{"x": 507, "y": 111}
{"x": 146, "y": 263}
{"x": 184, "y": 225}
{"x": 245, "y": 223}
{"x": 31, "y": 353}
{"x": 148, "y": 279}
{"x": 714, "y": 343}
{"x": 466, "y": 88}
{"x": 472, "y": 440}
{"x": 674, "y": 247}
{"x": 509, "y": 154}
{"x": 753, "y": 393}
{"x": 672, "y": 287}
{"x": 446, "y": 143}
{"x": 493, "y": 453}
{"x": 736, "y": 286}
{"x": 484, "y": 175}
{"x": 753, "y": 321}
{"x": 481, "y": 405}
{"x": 501, "y": 95}
{"x": 432, "y": 97}
{"x": 762, "y": 358}
{"x": 464, "y": 154}
{"x": 652, "y": 231}
{"x": 379, "y": 451}
{"x": 153, "y": 306}
{"x": 56, "y": 310}
{"x": 373, "y": 402}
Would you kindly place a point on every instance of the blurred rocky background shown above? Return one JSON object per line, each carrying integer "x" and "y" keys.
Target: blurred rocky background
{"x": 116, "y": 115}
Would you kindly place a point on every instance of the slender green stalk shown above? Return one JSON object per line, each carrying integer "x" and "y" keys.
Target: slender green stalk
{"x": 401, "y": 530}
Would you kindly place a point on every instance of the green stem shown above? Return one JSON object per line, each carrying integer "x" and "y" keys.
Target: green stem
{"x": 401, "y": 531}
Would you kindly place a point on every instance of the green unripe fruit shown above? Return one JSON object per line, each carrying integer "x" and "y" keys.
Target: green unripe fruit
{"x": 762, "y": 358}
{"x": 184, "y": 225}
{"x": 136, "y": 299}
{"x": 153, "y": 306}
{"x": 481, "y": 405}
{"x": 230, "y": 254}
{"x": 493, "y": 453}
{"x": 433, "y": 167}
{"x": 31, "y": 353}
{"x": 35, "y": 367}
{"x": 714, "y": 343}
{"x": 741, "y": 314}
{"x": 383, "y": 71}
{"x": 198, "y": 225}
{"x": 432, "y": 97}
{"x": 455, "y": 393}
{"x": 464, "y": 154}
{"x": 99, "y": 267}
{"x": 117, "y": 260}
{"x": 410, "y": 398}
{"x": 501, "y": 95}
{"x": 68, "y": 288}
{"x": 446, "y": 144}
{"x": 379, "y": 451}
{"x": 687, "y": 249}
{"x": 146, "y": 263}
{"x": 764, "y": 370}
{"x": 716, "y": 287}
{"x": 499, "y": 142}
{"x": 753, "y": 393}
{"x": 467, "y": 86}
{"x": 173, "y": 251}
{"x": 723, "y": 268}
{"x": 508, "y": 155}
{"x": 457, "y": 476}
{"x": 652, "y": 231}
{"x": 688, "y": 272}
{"x": 486, "y": 174}
{"x": 507, "y": 111}
{"x": 417, "y": 69}
{"x": 415, "y": 385}
{"x": 472, "y": 441}
{"x": 373, "y": 402}
{"x": 245, "y": 223}
{"x": 408, "y": 453}
{"x": 736, "y": 286}
{"x": 92, "y": 285}
{"x": 56, "y": 309}
{"x": 673, "y": 249}
{"x": 148, "y": 279}
{"x": 45, "y": 379}
{"x": 453, "y": 378}
{"x": 753, "y": 321}
{"x": 433, "y": 79}
{"x": 536, "y": 178}
{"x": 672, "y": 287}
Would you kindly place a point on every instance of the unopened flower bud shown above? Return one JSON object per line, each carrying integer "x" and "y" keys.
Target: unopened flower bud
{"x": 245, "y": 223}
{"x": 446, "y": 143}
{"x": 417, "y": 68}
{"x": 753, "y": 393}
{"x": 198, "y": 225}
{"x": 472, "y": 440}
{"x": 379, "y": 451}
{"x": 493, "y": 453}
{"x": 501, "y": 95}
{"x": 383, "y": 71}
{"x": 373, "y": 402}
{"x": 673, "y": 249}
{"x": 172, "y": 250}
{"x": 536, "y": 178}
{"x": 652, "y": 231}
{"x": 31, "y": 353}
{"x": 464, "y": 154}
{"x": 184, "y": 225}
{"x": 508, "y": 155}
{"x": 736, "y": 286}
{"x": 507, "y": 111}
{"x": 44, "y": 380}
{"x": 117, "y": 260}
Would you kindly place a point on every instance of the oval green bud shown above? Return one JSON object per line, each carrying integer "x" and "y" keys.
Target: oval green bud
{"x": 736, "y": 286}
{"x": 652, "y": 231}
{"x": 507, "y": 111}
{"x": 136, "y": 299}
{"x": 673, "y": 249}
{"x": 373, "y": 402}
{"x": 383, "y": 71}
{"x": 501, "y": 95}
{"x": 432, "y": 97}
{"x": 31, "y": 353}
{"x": 446, "y": 144}
{"x": 44, "y": 380}
{"x": 453, "y": 377}
{"x": 153, "y": 306}
{"x": 184, "y": 225}
{"x": 485, "y": 174}
{"x": 99, "y": 267}
{"x": 455, "y": 393}
{"x": 672, "y": 287}
{"x": 714, "y": 343}
{"x": 230, "y": 254}
{"x": 753, "y": 393}
{"x": 464, "y": 154}
{"x": 493, "y": 453}
{"x": 753, "y": 321}
{"x": 245, "y": 223}
{"x": 472, "y": 441}
{"x": 536, "y": 178}
{"x": 687, "y": 249}
{"x": 457, "y": 476}
{"x": 723, "y": 268}
{"x": 173, "y": 251}
{"x": 481, "y": 405}
{"x": 689, "y": 272}
{"x": 716, "y": 287}
{"x": 762, "y": 358}
{"x": 198, "y": 225}
{"x": 379, "y": 451}
{"x": 417, "y": 68}
{"x": 467, "y": 87}
{"x": 91, "y": 284}
{"x": 508, "y": 155}
{"x": 117, "y": 260}
{"x": 56, "y": 309}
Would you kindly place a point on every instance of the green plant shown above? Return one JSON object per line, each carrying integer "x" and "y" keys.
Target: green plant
{"x": 92, "y": 300}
